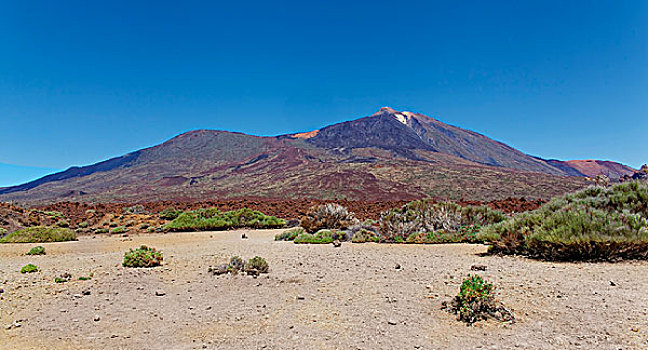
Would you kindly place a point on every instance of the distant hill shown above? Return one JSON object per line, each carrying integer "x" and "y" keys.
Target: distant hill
{"x": 388, "y": 155}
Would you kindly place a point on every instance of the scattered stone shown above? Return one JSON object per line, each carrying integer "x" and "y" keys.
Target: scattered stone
{"x": 86, "y": 292}
{"x": 218, "y": 270}
{"x": 64, "y": 277}
{"x": 244, "y": 236}
{"x": 397, "y": 267}
{"x": 478, "y": 267}
{"x": 160, "y": 293}
{"x": 612, "y": 283}
{"x": 299, "y": 297}
{"x": 97, "y": 318}
{"x": 337, "y": 243}
{"x": 635, "y": 329}
{"x": 392, "y": 322}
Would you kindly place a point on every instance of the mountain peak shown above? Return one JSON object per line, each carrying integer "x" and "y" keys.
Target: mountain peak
{"x": 386, "y": 110}
{"x": 402, "y": 117}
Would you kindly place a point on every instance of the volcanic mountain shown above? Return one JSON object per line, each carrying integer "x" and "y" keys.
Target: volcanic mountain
{"x": 388, "y": 155}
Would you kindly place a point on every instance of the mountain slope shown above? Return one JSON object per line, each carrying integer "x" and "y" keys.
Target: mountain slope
{"x": 388, "y": 155}
{"x": 402, "y": 132}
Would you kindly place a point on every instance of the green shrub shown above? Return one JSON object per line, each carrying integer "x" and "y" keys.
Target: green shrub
{"x": 289, "y": 235}
{"x": 83, "y": 224}
{"x": 169, "y": 213}
{"x": 320, "y": 237}
{"x": 135, "y": 209}
{"x": 37, "y": 250}
{"x": 213, "y": 219}
{"x": 63, "y": 223}
{"x": 3, "y": 232}
{"x": 29, "y": 268}
{"x": 118, "y": 230}
{"x": 363, "y": 236}
{"x": 592, "y": 224}
{"x": 40, "y": 234}
{"x": 327, "y": 216}
{"x": 142, "y": 257}
{"x": 62, "y": 278}
{"x": 256, "y": 266}
{"x": 83, "y": 278}
{"x": 432, "y": 222}
{"x": 54, "y": 214}
{"x": 101, "y": 230}
{"x": 476, "y": 301}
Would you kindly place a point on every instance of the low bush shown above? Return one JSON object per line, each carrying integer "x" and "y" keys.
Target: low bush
{"x": 592, "y": 224}
{"x": 62, "y": 278}
{"x": 83, "y": 224}
{"x": 256, "y": 266}
{"x": 321, "y": 237}
{"x": 213, "y": 219}
{"x": 118, "y": 230}
{"x": 365, "y": 236}
{"x": 135, "y": 209}
{"x": 425, "y": 221}
{"x": 37, "y": 250}
{"x": 364, "y": 232}
{"x": 54, "y": 214}
{"x": 101, "y": 230}
{"x": 29, "y": 268}
{"x": 142, "y": 257}
{"x": 63, "y": 223}
{"x": 40, "y": 234}
{"x": 169, "y": 213}
{"x": 3, "y": 232}
{"x": 327, "y": 216}
{"x": 476, "y": 301}
{"x": 289, "y": 235}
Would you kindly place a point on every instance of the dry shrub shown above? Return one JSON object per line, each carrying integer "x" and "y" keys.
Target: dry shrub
{"x": 327, "y": 216}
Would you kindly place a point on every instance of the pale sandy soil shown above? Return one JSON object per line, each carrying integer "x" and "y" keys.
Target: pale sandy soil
{"x": 315, "y": 297}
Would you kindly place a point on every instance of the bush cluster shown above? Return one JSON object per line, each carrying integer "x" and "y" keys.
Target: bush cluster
{"x": 327, "y": 216}
{"x": 213, "y": 219}
{"x": 592, "y": 224}
{"x": 142, "y": 257}
{"x": 40, "y": 234}
{"x": 289, "y": 235}
{"x": 321, "y": 237}
{"x": 253, "y": 267}
{"x": 169, "y": 213}
{"x": 425, "y": 221}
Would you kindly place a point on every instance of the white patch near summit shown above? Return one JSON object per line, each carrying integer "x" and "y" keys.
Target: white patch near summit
{"x": 401, "y": 118}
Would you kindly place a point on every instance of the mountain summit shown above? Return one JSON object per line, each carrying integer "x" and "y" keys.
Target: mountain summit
{"x": 387, "y": 155}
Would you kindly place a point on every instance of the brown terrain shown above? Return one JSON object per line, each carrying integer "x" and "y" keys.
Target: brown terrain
{"x": 389, "y": 155}
{"x": 314, "y": 297}
{"x": 109, "y": 215}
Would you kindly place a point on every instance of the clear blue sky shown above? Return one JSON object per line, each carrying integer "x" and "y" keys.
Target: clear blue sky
{"x": 82, "y": 81}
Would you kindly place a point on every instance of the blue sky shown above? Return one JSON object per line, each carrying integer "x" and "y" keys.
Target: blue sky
{"x": 84, "y": 81}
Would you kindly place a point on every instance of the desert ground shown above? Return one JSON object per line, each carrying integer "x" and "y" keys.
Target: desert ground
{"x": 315, "y": 297}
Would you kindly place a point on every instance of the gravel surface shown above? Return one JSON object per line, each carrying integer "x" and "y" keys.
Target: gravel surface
{"x": 315, "y": 297}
